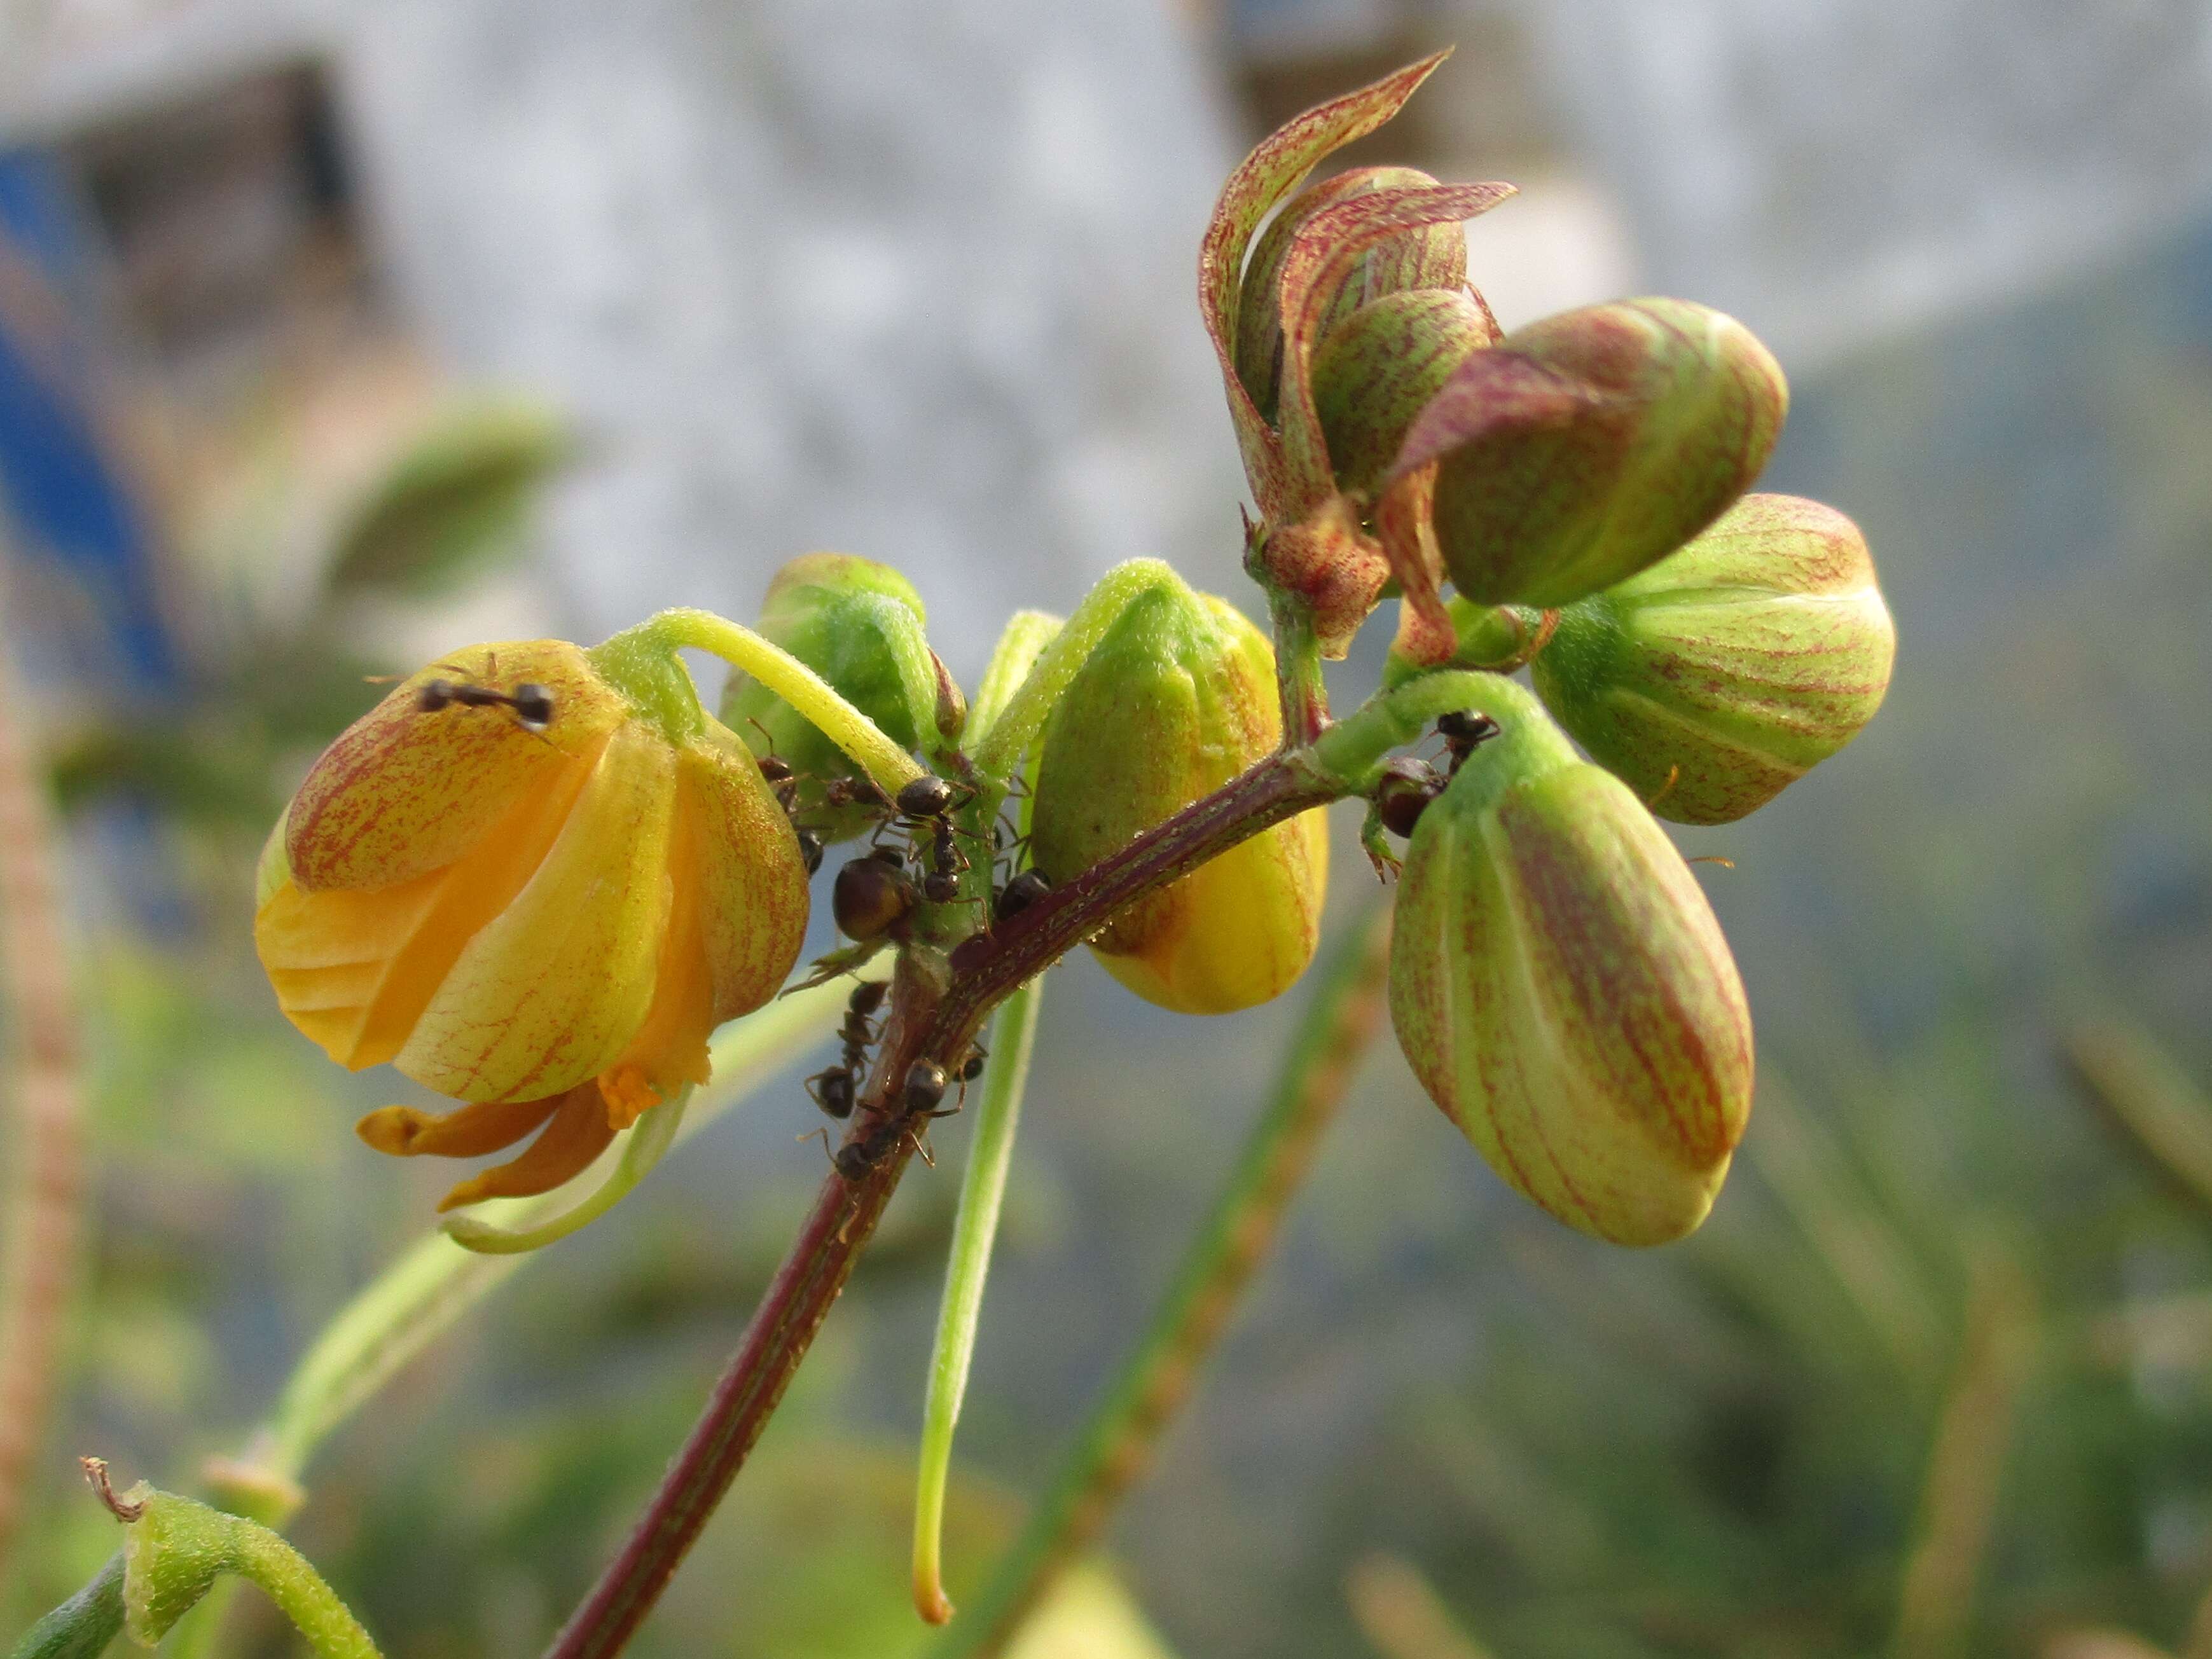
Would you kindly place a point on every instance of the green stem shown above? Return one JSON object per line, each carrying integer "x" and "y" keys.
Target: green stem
{"x": 1298, "y": 681}
{"x": 1013, "y": 1034}
{"x": 1349, "y": 750}
{"x": 1116, "y": 1443}
{"x": 1027, "y": 634}
{"x": 806, "y": 691}
{"x": 82, "y": 1626}
{"x": 177, "y": 1550}
{"x": 1008, "y": 740}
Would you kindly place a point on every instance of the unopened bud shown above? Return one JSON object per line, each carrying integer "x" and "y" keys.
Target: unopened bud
{"x": 1178, "y": 698}
{"x": 1430, "y": 256}
{"x": 1378, "y": 367}
{"x": 1582, "y": 448}
{"x": 858, "y": 624}
{"x": 1562, "y": 992}
{"x": 1730, "y": 669}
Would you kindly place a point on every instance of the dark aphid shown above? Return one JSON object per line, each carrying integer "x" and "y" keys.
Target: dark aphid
{"x": 1464, "y": 731}
{"x": 833, "y": 1091}
{"x": 1017, "y": 895}
{"x": 926, "y": 1084}
{"x": 972, "y": 1067}
{"x": 871, "y": 896}
{"x": 810, "y": 849}
{"x": 1407, "y": 789}
{"x": 856, "y": 791}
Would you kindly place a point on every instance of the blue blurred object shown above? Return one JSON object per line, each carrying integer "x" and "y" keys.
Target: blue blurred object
{"x": 63, "y": 489}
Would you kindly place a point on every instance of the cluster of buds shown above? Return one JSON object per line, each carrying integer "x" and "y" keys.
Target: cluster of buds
{"x": 535, "y": 877}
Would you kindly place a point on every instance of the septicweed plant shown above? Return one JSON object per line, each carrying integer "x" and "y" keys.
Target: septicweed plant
{"x": 536, "y": 877}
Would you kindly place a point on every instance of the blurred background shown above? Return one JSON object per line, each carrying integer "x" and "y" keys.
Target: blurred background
{"x": 333, "y": 337}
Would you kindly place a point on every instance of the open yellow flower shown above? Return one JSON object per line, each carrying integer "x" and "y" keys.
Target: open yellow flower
{"x": 534, "y": 890}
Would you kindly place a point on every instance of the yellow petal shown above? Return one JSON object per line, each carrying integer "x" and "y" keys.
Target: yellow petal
{"x": 1237, "y": 932}
{"x": 743, "y": 861}
{"x": 471, "y": 1132}
{"x": 355, "y": 970}
{"x": 404, "y": 790}
{"x": 578, "y": 1133}
{"x": 550, "y": 991}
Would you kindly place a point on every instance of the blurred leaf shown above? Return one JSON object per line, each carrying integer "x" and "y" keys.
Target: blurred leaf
{"x": 2143, "y": 1091}
{"x": 455, "y": 502}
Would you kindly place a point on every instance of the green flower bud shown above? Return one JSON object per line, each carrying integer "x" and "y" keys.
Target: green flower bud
{"x": 1377, "y": 368}
{"x": 1729, "y": 670}
{"x": 1432, "y": 256}
{"x": 858, "y": 624}
{"x": 1582, "y": 448}
{"x": 1562, "y": 992}
{"x": 1178, "y": 698}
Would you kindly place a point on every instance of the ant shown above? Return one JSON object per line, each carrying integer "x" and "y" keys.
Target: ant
{"x": 532, "y": 702}
{"x": 923, "y": 805}
{"x": 1464, "y": 731}
{"x": 833, "y": 1090}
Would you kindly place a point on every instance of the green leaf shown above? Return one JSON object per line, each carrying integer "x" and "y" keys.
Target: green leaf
{"x": 456, "y": 501}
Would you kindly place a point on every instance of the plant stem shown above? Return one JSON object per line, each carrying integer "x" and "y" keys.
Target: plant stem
{"x": 1026, "y": 637}
{"x": 38, "y": 1245}
{"x": 1298, "y": 681}
{"x": 1013, "y": 1034}
{"x": 1115, "y": 1445}
{"x": 814, "y": 697}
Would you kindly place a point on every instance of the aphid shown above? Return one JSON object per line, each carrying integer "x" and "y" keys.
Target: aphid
{"x": 1407, "y": 789}
{"x": 1464, "y": 731}
{"x": 810, "y": 849}
{"x": 972, "y": 1066}
{"x": 532, "y": 702}
{"x": 1017, "y": 895}
{"x": 871, "y": 896}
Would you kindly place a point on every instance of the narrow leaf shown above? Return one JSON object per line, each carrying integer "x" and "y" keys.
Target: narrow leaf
{"x": 1013, "y": 1034}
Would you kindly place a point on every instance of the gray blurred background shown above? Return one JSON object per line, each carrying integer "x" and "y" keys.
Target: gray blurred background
{"x": 917, "y": 282}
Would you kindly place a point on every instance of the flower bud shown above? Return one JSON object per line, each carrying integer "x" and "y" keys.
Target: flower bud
{"x": 858, "y": 624}
{"x": 1378, "y": 367}
{"x": 534, "y": 878}
{"x": 1730, "y": 669}
{"x": 1430, "y": 256}
{"x": 1582, "y": 448}
{"x": 1178, "y": 698}
{"x": 1562, "y": 992}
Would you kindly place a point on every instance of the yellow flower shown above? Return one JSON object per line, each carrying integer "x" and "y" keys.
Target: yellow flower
{"x": 1179, "y": 698}
{"x": 534, "y": 890}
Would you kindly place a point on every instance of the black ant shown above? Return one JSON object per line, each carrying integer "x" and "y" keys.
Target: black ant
{"x": 923, "y": 805}
{"x": 833, "y": 1090}
{"x": 532, "y": 702}
{"x": 855, "y": 1158}
{"x": 1464, "y": 731}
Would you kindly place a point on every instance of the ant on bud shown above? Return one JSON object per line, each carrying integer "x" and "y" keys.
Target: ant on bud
{"x": 1464, "y": 731}
{"x": 532, "y": 702}
{"x": 923, "y": 805}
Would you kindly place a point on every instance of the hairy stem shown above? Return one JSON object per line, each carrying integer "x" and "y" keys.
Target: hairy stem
{"x": 814, "y": 697}
{"x": 1116, "y": 1444}
{"x": 1026, "y": 635}
{"x": 1298, "y": 679}
{"x": 38, "y": 1245}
